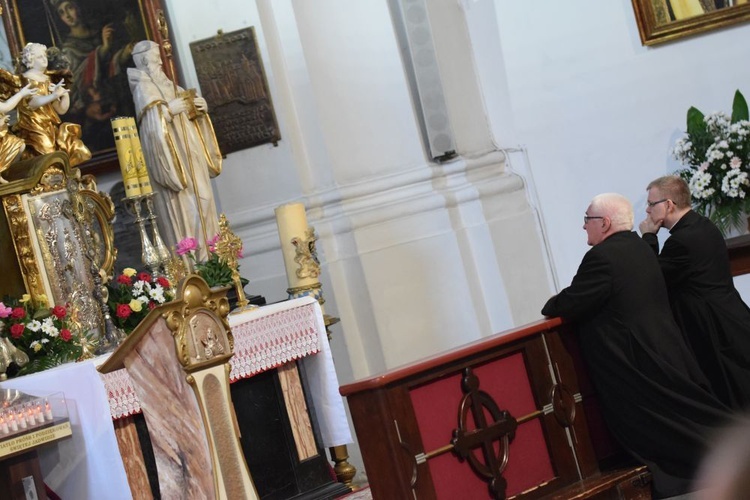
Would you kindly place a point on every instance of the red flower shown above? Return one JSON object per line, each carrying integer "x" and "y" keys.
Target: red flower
{"x": 59, "y": 312}
{"x": 144, "y": 277}
{"x": 65, "y": 334}
{"x": 125, "y": 280}
{"x": 151, "y": 305}
{"x": 123, "y": 311}
{"x": 17, "y": 330}
{"x": 164, "y": 282}
{"x": 18, "y": 313}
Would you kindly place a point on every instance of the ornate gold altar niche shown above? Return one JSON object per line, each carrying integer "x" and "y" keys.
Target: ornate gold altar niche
{"x": 181, "y": 347}
{"x": 56, "y": 239}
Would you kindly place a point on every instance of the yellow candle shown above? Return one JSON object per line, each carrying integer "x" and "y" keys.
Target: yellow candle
{"x": 121, "y": 130}
{"x": 292, "y": 222}
{"x": 144, "y": 182}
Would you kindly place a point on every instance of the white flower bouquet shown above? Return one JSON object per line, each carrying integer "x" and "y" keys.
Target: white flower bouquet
{"x": 716, "y": 153}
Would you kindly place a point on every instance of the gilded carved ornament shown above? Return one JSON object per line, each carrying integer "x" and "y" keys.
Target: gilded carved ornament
{"x": 22, "y": 242}
{"x": 306, "y": 256}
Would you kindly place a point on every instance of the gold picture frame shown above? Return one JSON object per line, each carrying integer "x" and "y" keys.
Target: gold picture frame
{"x": 662, "y": 21}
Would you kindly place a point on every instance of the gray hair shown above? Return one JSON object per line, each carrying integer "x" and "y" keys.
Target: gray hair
{"x": 617, "y": 208}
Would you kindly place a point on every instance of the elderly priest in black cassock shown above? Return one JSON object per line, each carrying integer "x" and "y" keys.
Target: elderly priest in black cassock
{"x": 654, "y": 398}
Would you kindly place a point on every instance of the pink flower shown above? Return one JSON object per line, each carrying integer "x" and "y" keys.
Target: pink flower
{"x": 5, "y": 310}
{"x": 703, "y": 167}
{"x": 212, "y": 243}
{"x": 735, "y": 163}
{"x": 186, "y": 245}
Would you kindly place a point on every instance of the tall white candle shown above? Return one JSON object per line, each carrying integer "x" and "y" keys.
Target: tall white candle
{"x": 292, "y": 222}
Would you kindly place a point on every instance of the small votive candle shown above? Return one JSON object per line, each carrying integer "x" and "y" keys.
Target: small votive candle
{"x": 4, "y": 426}
{"x": 30, "y": 417}
{"x": 21, "y": 419}
{"x": 48, "y": 412}
{"x": 38, "y": 414}
{"x": 12, "y": 422}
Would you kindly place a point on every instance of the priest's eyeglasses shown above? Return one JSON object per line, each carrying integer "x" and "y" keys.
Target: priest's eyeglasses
{"x": 587, "y": 218}
{"x": 652, "y": 204}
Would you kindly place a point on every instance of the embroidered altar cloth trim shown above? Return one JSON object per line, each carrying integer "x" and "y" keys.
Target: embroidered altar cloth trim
{"x": 264, "y": 338}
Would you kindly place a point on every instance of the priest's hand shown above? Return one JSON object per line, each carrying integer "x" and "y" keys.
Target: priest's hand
{"x": 650, "y": 226}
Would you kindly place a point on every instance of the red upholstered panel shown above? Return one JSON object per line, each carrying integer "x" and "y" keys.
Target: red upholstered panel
{"x": 436, "y": 408}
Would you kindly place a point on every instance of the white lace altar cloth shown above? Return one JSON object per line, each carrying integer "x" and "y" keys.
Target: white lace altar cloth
{"x": 264, "y": 338}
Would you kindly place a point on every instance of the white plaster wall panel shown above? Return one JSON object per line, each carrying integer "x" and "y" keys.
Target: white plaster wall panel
{"x": 358, "y": 80}
{"x": 407, "y": 282}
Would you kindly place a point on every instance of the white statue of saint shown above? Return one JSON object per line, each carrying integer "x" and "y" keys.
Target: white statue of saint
{"x": 163, "y": 112}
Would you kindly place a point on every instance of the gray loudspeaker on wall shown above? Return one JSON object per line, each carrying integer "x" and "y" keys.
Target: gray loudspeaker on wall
{"x": 412, "y": 26}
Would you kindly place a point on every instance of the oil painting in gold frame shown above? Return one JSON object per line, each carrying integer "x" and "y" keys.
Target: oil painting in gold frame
{"x": 666, "y": 20}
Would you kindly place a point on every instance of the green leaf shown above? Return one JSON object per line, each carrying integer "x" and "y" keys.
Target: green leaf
{"x": 695, "y": 123}
{"x": 739, "y": 108}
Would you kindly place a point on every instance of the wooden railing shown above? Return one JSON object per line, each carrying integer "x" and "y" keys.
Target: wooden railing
{"x": 510, "y": 415}
{"x": 739, "y": 254}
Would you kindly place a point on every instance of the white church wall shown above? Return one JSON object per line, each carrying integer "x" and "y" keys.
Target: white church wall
{"x": 598, "y": 111}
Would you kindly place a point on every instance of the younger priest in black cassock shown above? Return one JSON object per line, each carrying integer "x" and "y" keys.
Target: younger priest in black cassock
{"x": 654, "y": 397}
{"x": 705, "y": 303}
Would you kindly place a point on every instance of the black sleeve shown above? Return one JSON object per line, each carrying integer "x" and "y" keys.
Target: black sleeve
{"x": 590, "y": 289}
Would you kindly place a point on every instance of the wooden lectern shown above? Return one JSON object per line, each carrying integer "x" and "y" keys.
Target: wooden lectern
{"x": 178, "y": 359}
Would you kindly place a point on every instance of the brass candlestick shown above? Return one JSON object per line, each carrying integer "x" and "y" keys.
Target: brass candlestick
{"x": 161, "y": 249}
{"x": 149, "y": 255}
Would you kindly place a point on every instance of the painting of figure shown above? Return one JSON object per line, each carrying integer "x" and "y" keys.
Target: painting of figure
{"x": 90, "y": 45}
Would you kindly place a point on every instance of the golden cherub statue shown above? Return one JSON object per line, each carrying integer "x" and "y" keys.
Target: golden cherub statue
{"x": 39, "y": 123}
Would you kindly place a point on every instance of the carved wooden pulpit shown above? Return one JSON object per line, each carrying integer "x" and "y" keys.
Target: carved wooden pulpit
{"x": 178, "y": 359}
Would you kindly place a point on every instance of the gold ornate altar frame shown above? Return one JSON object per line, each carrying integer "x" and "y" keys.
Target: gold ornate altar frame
{"x": 55, "y": 236}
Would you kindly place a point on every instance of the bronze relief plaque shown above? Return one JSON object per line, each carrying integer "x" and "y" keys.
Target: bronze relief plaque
{"x": 233, "y": 82}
